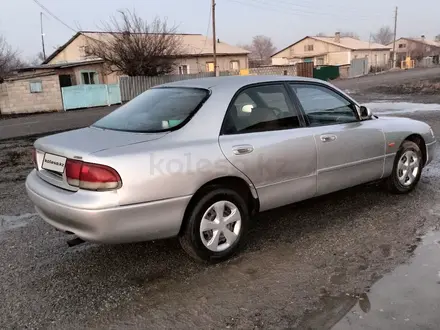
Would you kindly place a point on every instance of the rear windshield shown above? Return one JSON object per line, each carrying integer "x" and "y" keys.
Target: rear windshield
{"x": 156, "y": 110}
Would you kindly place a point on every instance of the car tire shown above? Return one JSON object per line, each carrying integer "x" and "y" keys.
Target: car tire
{"x": 405, "y": 176}
{"x": 203, "y": 215}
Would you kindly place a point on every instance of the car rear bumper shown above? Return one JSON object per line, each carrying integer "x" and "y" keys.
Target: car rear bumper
{"x": 115, "y": 224}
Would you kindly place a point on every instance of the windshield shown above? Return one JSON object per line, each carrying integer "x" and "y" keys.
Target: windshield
{"x": 156, "y": 110}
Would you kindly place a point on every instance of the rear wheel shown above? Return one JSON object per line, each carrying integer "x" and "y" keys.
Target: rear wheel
{"x": 407, "y": 169}
{"x": 215, "y": 226}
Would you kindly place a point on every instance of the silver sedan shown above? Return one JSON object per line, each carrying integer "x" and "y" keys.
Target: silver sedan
{"x": 197, "y": 158}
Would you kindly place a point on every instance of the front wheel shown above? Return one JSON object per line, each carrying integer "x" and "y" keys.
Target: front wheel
{"x": 407, "y": 169}
{"x": 215, "y": 226}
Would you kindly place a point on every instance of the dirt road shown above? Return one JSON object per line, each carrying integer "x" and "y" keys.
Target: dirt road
{"x": 304, "y": 266}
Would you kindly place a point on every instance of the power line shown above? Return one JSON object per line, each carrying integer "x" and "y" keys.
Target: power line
{"x": 54, "y": 16}
{"x": 313, "y": 6}
{"x": 207, "y": 29}
{"x": 291, "y": 11}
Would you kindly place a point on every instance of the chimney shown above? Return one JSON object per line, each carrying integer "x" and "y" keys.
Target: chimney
{"x": 423, "y": 37}
{"x": 338, "y": 37}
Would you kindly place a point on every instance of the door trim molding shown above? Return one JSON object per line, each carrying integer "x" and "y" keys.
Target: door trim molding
{"x": 358, "y": 162}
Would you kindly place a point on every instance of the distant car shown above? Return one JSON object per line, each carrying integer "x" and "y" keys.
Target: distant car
{"x": 197, "y": 158}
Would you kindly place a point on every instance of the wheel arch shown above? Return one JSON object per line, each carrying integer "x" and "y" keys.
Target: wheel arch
{"x": 418, "y": 139}
{"x": 232, "y": 182}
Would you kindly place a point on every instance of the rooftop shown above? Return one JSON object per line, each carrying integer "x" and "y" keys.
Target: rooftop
{"x": 192, "y": 44}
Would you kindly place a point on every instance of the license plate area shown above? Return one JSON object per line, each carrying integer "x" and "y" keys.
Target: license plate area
{"x": 54, "y": 163}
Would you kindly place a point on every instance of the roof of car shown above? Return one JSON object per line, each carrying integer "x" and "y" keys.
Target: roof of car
{"x": 232, "y": 81}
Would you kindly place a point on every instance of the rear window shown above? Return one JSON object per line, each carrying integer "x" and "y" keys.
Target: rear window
{"x": 156, "y": 110}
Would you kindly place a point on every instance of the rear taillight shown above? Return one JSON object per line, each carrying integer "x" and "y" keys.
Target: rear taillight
{"x": 34, "y": 158}
{"x": 91, "y": 176}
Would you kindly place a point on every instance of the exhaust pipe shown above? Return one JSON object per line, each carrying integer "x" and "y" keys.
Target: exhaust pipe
{"x": 75, "y": 241}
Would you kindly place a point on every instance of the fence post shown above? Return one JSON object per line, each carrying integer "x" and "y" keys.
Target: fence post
{"x": 108, "y": 96}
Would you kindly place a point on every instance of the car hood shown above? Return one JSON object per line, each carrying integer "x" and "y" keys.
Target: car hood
{"x": 85, "y": 141}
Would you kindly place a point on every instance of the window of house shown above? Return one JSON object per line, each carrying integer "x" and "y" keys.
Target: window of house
{"x": 89, "y": 77}
{"x": 402, "y": 45}
{"x": 184, "y": 69}
{"x": 320, "y": 61}
{"x": 234, "y": 65}
{"x": 210, "y": 66}
{"x": 308, "y": 48}
{"x": 259, "y": 109}
{"x": 36, "y": 86}
{"x": 323, "y": 106}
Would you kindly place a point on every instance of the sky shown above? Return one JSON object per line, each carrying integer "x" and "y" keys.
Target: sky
{"x": 237, "y": 21}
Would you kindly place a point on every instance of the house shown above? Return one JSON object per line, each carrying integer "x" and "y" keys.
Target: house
{"x": 38, "y": 88}
{"x": 335, "y": 50}
{"x": 196, "y": 55}
{"x": 416, "y": 48}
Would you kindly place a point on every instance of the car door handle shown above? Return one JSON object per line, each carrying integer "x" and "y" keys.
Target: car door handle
{"x": 328, "y": 138}
{"x": 242, "y": 149}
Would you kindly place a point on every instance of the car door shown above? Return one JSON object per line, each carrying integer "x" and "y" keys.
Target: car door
{"x": 350, "y": 151}
{"x": 263, "y": 136}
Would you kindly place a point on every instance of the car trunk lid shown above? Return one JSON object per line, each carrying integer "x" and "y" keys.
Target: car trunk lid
{"x": 52, "y": 151}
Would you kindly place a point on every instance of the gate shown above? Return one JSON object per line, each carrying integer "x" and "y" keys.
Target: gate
{"x": 358, "y": 67}
{"x": 87, "y": 96}
{"x": 304, "y": 69}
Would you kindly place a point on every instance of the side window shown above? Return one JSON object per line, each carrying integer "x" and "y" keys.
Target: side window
{"x": 259, "y": 109}
{"x": 323, "y": 106}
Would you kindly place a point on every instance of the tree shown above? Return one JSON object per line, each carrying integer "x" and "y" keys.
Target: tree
{"x": 384, "y": 36}
{"x": 39, "y": 58}
{"x": 131, "y": 45}
{"x": 9, "y": 59}
{"x": 350, "y": 34}
{"x": 437, "y": 38}
{"x": 342, "y": 34}
{"x": 261, "y": 50}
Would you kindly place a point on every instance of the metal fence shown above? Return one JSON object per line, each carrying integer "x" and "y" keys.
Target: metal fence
{"x": 133, "y": 86}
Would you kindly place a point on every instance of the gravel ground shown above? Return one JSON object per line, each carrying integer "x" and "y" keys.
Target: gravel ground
{"x": 300, "y": 262}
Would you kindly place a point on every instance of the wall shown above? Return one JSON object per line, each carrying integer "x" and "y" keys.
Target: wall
{"x": 4, "y": 100}
{"x": 198, "y": 64}
{"x": 339, "y": 58}
{"x": 73, "y": 52}
{"x": 319, "y": 47}
{"x": 375, "y": 57}
{"x": 21, "y": 100}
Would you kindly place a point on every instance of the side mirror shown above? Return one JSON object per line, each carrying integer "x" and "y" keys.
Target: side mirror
{"x": 365, "y": 113}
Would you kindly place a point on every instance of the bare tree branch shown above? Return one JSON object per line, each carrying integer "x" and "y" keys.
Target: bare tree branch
{"x": 132, "y": 46}
{"x": 261, "y": 50}
{"x": 350, "y": 34}
{"x": 9, "y": 60}
{"x": 384, "y": 36}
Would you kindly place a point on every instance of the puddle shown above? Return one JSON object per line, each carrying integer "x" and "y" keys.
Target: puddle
{"x": 8, "y": 222}
{"x": 407, "y": 298}
{"x": 389, "y": 107}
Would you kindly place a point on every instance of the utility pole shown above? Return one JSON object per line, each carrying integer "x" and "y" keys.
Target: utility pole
{"x": 214, "y": 40}
{"x": 42, "y": 35}
{"x": 394, "y": 43}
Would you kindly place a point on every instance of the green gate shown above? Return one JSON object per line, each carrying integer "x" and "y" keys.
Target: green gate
{"x": 327, "y": 72}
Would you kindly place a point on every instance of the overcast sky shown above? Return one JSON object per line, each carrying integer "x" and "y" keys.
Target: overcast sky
{"x": 285, "y": 21}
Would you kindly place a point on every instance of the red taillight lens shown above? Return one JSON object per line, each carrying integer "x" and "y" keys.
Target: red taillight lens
{"x": 34, "y": 158}
{"x": 92, "y": 176}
